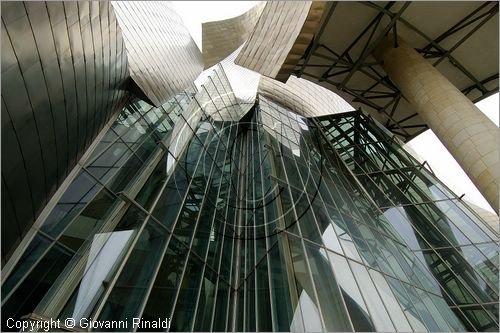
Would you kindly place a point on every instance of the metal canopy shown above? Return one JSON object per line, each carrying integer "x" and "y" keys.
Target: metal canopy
{"x": 459, "y": 38}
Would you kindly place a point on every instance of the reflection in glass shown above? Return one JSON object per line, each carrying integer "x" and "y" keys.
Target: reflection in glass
{"x": 224, "y": 218}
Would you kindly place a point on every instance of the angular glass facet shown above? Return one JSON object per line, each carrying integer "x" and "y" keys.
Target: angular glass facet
{"x": 215, "y": 219}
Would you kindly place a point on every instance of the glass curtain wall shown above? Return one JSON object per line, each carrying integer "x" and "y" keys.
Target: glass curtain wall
{"x": 81, "y": 234}
{"x": 459, "y": 249}
{"x": 266, "y": 221}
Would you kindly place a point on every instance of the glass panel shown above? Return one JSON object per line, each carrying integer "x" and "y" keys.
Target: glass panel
{"x": 467, "y": 275}
{"x": 222, "y": 310}
{"x": 81, "y": 191}
{"x": 330, "y": 300}
{"x": 265, "y": 323}
{"x": 392, "y": 305}
{"x": 280, "y": 289}
{"x": 360, "y": 317}
{"x": 128, "y": 293}
{"x": 37, "y": 247}
{"x": 172, "y": 197}
{"x": 30, "y": 292}
{"x": 107, "y": 164}
{"x": 307, "y": 310}
{"x": 480, "y": 319}
{"x": 380, "y": 317}
{"x": 105, "y": 255}
{"x": 463, "y": 222}
{"x": 206, "y": 302}
{"x": 482, "y": 266}
{"x": 186, "y": 301}
{"x": 90, "y": 220}
{"x": 490, "y": 250}
{"x": 167, "y": 281}
{"x": 407, "y": 305}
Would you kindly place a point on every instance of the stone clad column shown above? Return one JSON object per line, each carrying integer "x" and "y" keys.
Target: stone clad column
{"x": 469, "y": 135}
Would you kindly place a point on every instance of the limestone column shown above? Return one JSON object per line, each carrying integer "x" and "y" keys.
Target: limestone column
{"x": 469, "y": 135}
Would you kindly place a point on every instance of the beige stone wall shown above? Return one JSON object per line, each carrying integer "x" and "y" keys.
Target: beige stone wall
{"x": 469, "y": 135}
{"x": 221, "y": 38}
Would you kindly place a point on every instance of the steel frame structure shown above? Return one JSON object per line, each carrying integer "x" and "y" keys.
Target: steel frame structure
{"x": 342, "y": 63}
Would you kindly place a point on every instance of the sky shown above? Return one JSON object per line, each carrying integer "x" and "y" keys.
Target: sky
{"x": 426, "y": 145}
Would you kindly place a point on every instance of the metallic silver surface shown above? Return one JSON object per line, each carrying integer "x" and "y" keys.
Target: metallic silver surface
{"x": 163, "y": 58}
{"x": 221, "y": 38}
{"x": 303, "y": 97}
{"x": 63, "y": 76}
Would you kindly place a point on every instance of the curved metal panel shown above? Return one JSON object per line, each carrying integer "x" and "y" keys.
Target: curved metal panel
{"x": 281, "y": 36}
{"x": 63, "y": 68}
{"x": 221, "y": 38}
{"x": 163, "y": 58}
{"x": 303, "y": 97}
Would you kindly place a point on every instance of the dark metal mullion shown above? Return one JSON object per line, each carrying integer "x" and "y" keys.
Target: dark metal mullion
{"x": 463, "y": 39}
{"x": 368, "y": 49}
{"x": 214, "y": 218}
{"x": 396, "y": 101}
{"x": 415, "y": 126}
{"x": 405, "y": 119}
{"x": 387, "y": 95}
{"x": 457, "y": 26}
{"x": 430, "y": 40}
{"x": 202, "y": 206}
{"x": 369, "y": 89}
{"x": 376, "y": 77}
{"x": 338, "y": 73}
{"x": 268, "y": 246}
{"x": 375, "y": 21}
{"x": 316, "y": 39}
{"x": 189, "y": 252}
{"x": 337, "y": 58}
{"x": 484, "y": 81}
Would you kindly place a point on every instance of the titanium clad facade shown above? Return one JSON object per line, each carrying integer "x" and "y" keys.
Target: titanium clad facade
{"x": 64, "y": 68}
{"x": 268, "y": 47}
{"x": 221, "y": 38}
{"x": 266, "y": 222}
{"x": 305, "y": 98}
{"x": 281, "y": 37}
{"x": 67, "y": 68}
{"x": 162, "y": 56}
